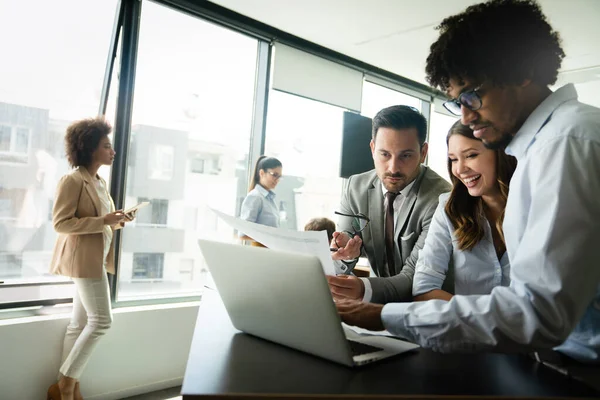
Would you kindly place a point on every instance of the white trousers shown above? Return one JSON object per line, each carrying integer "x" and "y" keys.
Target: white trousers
{"x": 91, "y": 319}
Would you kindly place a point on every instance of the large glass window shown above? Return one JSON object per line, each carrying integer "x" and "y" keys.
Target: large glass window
{"x": 192, "y": 118}
{"x": 437, "y": 158}
{"x": 376, "y": 98}
{"x": 55, "y": 75}
{"x": 306, "y": 136}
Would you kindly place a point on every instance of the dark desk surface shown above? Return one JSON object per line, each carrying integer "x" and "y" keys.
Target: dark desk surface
{"x": 225, "y": 363}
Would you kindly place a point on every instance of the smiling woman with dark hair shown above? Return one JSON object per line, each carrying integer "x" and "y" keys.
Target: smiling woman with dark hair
{"x": 466, "y": 230}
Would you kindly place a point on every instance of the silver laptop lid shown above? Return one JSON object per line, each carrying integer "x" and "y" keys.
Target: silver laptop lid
{"x": 282, "y": 297}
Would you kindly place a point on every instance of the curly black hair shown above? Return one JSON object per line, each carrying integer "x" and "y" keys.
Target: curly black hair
{"x": 502, "y": 42}
{"x": 83, "y": 138}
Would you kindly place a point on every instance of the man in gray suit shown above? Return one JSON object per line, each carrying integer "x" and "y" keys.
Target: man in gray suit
{"x": 399, "y": 148}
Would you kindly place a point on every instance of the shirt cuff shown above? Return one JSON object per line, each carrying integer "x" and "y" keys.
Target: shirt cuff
{"x": 393, "y": 319}
{"x": 368, "y": 290}
{"x": 340, "y": 267}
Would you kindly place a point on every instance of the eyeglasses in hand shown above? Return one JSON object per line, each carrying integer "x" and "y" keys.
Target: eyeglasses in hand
{"x": 359, "y": 223}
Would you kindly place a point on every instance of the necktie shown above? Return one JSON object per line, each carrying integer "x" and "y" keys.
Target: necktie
{"x": 389, "y": 232}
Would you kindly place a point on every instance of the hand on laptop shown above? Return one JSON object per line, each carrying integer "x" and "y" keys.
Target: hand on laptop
{"x": 346, "y": 287}
{"x": 348, "y": 248}
{"x": 364, "y": 315}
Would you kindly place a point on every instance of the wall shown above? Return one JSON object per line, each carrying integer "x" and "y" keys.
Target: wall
{"x": 145, "y": 350}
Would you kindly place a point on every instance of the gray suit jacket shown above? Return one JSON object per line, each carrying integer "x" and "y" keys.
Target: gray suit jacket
{"x": 362, "y": 194}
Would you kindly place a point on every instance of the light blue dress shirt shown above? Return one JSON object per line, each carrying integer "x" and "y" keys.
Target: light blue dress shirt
{"x": 476, "y": 271}
{"x": 259, "y": 206}
{"x": 552, "y": 231}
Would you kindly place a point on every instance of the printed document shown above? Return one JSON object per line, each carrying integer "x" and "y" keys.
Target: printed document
{"x": 304, "y": 242}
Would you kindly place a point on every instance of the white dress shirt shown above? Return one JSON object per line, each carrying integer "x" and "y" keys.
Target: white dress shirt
{"x": 105, "y": 205}
{"x": 552, "y": 231}
{"x": 476, "y": 271}
{"x": 259, "y": 207}
{"x": 398, "y": 203}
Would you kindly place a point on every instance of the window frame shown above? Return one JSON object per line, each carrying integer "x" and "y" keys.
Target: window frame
{"x": 125, "y": 34}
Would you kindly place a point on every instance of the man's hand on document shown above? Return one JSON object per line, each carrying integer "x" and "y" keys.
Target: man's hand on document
{"x": 347, "y": 248}
{"x": 346, "y": 287}
{"x": 364, "y": 315}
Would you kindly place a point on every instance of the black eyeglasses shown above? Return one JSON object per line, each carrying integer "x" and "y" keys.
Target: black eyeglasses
{"x": 359, "y": 223}
{"x": 470, "y": 99}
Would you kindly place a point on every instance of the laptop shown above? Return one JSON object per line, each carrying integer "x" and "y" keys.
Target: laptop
{"x": 284, "y": 298}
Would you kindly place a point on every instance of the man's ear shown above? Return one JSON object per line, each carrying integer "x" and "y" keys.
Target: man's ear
{"x": 424, "y": 150}
{"x": 372, "y": 144}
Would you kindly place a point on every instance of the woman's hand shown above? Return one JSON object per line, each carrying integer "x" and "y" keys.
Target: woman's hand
{"x": 130, "y": 216}
{"x": 114, "y": 218}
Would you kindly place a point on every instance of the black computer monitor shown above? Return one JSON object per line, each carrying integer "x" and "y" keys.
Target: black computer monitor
{"x": 356, "y": 152}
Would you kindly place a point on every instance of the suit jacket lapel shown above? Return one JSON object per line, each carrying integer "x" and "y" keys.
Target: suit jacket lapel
{"x": 376, "y": 227}
{"x": 409, "y": 203}
{"x": 91, "y": 189}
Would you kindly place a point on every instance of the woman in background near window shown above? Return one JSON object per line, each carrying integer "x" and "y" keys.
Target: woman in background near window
{"x": 466, "y": 230}
{"x": 259, "y": 205}
{"x": 84, "y": 216}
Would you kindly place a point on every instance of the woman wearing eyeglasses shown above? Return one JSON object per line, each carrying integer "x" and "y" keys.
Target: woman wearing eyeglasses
{"x": 466, "y": 230}
{"x": 259, "y": 205}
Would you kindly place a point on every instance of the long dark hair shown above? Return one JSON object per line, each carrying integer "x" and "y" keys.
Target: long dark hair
{"x": 465, "y": 211}
{"x": 263, "y": 163}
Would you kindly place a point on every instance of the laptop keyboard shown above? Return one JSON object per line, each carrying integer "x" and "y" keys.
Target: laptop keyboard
{"x": 358, "y": 348}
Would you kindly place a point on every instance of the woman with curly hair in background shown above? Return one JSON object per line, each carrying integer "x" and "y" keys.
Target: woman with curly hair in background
{"x": 84, "y": 216}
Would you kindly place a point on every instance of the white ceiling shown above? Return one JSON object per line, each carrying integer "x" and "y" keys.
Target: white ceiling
{"x": 396, "y": 34}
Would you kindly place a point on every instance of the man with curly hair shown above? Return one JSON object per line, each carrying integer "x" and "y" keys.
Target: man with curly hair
{"x": 495, "y": 61}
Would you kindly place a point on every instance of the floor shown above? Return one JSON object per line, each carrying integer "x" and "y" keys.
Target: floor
{"x": 165, "y": 394}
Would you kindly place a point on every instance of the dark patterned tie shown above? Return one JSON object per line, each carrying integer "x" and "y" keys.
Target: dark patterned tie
{"x": 389, "y": 232}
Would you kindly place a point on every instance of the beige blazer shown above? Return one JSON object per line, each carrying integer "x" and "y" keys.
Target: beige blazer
{"x": 77, "y": 219}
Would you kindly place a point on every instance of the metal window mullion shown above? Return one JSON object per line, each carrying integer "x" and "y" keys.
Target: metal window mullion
{"x": 130, "y": 29}
{"x": 261, "y": 102}
{"x": 426, "y": 111}
{"x": 110, "y": 61}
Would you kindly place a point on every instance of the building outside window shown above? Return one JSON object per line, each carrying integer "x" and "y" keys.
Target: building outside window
{"x": 40, "y": 95}
{"x": 187, "y": 152}
{"x": 148, "y": 266}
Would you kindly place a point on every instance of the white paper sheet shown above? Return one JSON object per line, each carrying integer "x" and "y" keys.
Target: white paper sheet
{"x": 304, "y": 242}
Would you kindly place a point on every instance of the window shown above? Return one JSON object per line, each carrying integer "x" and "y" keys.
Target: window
{"x": 22, "y": 140}
{"x": 192, "y": 118}
{"x": 160, "y": 162}
{"x": 437, "y": 158}
{"x": 198, "y": 165}
{"x": 40, "y": 95}
{"x": 14, "y": 143}
{"x": 148, "y": 266}
{"x": 5, "y": 138}
{"x": 376, "y": 98}
{"x": 306, "y": 136}
{"x": 156, "y": 213}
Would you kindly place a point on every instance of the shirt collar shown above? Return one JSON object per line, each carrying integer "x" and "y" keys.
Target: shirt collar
{"x": 537, "y": 119}
{"x": 404, "y": 192}
{"x": 266, "y": 193}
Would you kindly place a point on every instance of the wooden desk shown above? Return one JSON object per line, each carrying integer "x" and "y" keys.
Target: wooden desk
{"x": 252, "y": 242}
{"x": 225, "y": 363}
{"x": 361, "y": 272}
